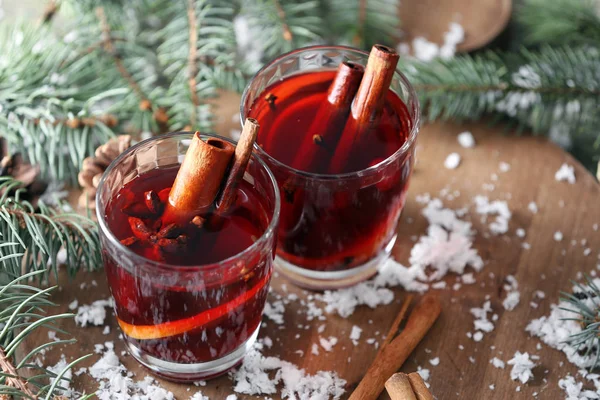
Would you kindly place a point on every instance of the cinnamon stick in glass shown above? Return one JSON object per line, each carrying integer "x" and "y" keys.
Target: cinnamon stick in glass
{"x": 199, "y": 179}
{"x": 241, "y": 157}
{"x": 391, "y": 358}
{"x": 367, "y": 105}
{"x": 328, "y": 124}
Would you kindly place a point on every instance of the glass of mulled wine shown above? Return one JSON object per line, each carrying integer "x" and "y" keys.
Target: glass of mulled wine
{"x": 338, "y": 219}
{"x": 188, "y": 300}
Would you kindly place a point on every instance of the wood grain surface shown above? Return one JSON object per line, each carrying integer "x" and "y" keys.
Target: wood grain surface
{"x": 482, "y": 20}
{"x": 548, "y": 266}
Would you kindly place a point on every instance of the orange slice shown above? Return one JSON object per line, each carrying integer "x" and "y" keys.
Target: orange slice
{"x": 172, "y": 328}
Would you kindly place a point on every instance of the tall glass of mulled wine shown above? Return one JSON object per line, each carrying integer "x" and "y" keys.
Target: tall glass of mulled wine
{"x": 342, "y": 193}
{"x": 188, "y": 298}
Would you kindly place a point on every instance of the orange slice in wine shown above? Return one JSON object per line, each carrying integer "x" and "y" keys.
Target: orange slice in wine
{"x": 173, "y": 328}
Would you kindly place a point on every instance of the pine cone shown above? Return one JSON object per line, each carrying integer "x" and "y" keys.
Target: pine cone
{"x": 29, "y": 175}
{"x": 93, "y": 168}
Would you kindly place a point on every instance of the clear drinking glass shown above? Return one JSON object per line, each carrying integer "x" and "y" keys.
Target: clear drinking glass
{"x": 335, "y": 230}
{"x": 189, "y": 322}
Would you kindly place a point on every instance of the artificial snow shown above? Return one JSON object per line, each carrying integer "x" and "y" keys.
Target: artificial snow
{"x": 425, "y": 50}
{"x": 498, "y": 363}
{"x": 328, "y": 344}
{"x": 481, "y": 323}
{"x": 65, "y": 380}
{"x": 73, "y": 305}
{"x": 504, "y": 166}
{"x": 116, "y": 383}
{"x": 496, "y": 207}
{"x": 355, "y": 334}
{"x": 466, "y": 139}
{"x": 522, "y": 367}
{"x": 533, "y": 207}
{"x": 565, "y": 173}
{"x": 558, "y": 236}
{"x": 452, "y": 161}
{"x": 574, "y": 390}
{"x": 260, "y": 375}
{"x": 447, "y": 247}
{"x": 92, "y": 314}
{"x": 513, "y": 296}
{"x": 556, "y": 329}
{"x": 274, "y": 311}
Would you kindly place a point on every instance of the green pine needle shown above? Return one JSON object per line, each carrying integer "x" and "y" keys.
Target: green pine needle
{"x": 585, "y": 304}
{"x": 544, "y": 90}
{"x": 560, "y": 21}
{"x": 33, "y": 238}
{"x": 24, "y": 310}
{"x": 363, "y": 23}
{"x": 279, "y": 26}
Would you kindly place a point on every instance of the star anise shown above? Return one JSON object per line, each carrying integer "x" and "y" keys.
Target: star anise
{"x": 168, "y": 239}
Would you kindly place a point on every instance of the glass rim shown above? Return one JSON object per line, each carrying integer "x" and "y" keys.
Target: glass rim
{"x": 269, "y": 231}
{"x": 371, "y": 170}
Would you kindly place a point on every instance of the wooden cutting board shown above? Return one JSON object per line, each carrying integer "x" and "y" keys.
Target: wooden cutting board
{"x": 548, "y": 266}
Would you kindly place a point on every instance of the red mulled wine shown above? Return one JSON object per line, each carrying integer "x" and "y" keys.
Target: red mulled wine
{"x": 332, "y": 218}
{"x": 181, "y": 313}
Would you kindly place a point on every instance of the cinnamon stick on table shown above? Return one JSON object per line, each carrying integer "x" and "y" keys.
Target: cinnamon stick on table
{"x": 327, "y": 126}
{"x": 399, "y": 388}
{"x": 368, "y": 104}
{"x": 407, "y": 387}
{"x": 419, "y": 387}
{"x": 391, "y": 358}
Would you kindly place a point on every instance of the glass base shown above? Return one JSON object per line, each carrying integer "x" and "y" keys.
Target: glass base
{"x": 324, "y": 280}
{"x": 177, "y": 372}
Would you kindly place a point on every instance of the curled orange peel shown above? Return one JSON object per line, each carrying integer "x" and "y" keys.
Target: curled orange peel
{"x": 173, "y": 328}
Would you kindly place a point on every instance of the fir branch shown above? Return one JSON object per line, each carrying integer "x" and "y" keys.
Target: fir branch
{"x": 39, "y": 236}
{"x": 25, "y": 311}
{"x": 198, "y": 54}
{"x": 43, "y": 91}
{"x": 542, "y": 90}
{"x": 12, "y": 377}
{"x": 110, "y": 49}
{"x": 363, "y": 23}
{"x": 286, "y": 33}
{"x": 585, "y": 305}
{"x": 279, "y": 26}
{"x": 108, "y": 120}
{"x": 49, "y": 11}
{"x": 192, "y": 60}
{"x": 559, "y": 22}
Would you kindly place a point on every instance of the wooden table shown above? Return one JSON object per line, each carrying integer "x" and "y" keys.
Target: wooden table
{"x": 548, "y": 266}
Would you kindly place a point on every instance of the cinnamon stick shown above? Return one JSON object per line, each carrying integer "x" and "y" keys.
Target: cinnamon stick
{"x": 328, "y": 124}
{"x": 419, "y": 387}
{"x": 396, "y": 323}
{"x": 243, "y": 151}
{"x": 407, "y": 387}
{"x": 198, "y": 180}
{"x": 399, "y": 388}
{"x": 368, "y": 104}
{"x": 391, "y": 358}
